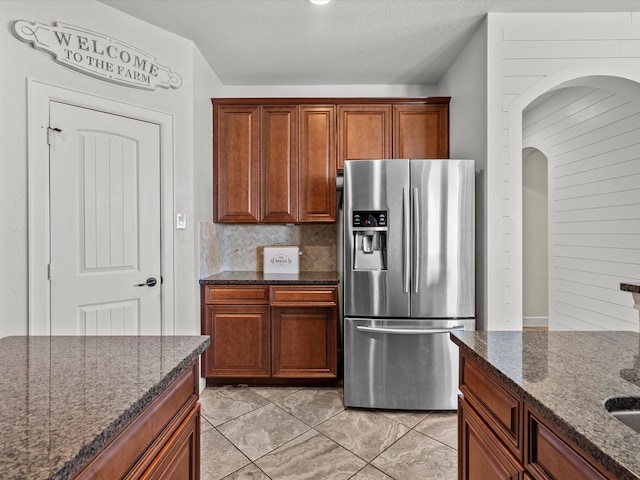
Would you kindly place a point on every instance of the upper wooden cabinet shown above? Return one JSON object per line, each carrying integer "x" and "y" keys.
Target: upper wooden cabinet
{"x": 279, "y": 164}
{"x": 393, "y": 128}
{"x": 236, "y": 163}
{"x": 364, "y": 132}
{"x": 273, "y": 163}
{"x": 317, "y": 174}
{"x": 421, "y": 131}
{"x": 275, "y": 159}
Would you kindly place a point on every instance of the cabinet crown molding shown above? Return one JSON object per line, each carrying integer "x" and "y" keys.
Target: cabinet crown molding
{"x": 330, "y": 100}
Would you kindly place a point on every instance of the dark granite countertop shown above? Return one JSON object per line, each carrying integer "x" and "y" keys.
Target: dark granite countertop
{"x": 62, "y": 399}
{"x": 630, "y": 287}
{"x": 567, "y": 376}
{"x": 249, "y": 278}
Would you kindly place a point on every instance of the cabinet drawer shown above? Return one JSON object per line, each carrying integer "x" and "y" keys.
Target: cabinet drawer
{"x": 180, "y": 457}
{"x": 235, "y": 294}
{"x": 497, "y": 406}
{"x": 481, "y": 455}
{"x": 302, "y": 296}
{"x": 548, "y": 457}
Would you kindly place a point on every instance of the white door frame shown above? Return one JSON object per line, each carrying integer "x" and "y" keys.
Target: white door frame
{"x": 39, "y": 95}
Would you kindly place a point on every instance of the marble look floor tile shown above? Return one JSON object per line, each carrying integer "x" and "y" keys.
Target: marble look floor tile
{"x": 441, "y": 426}
{"x": 262, "y": 430}
{"x": 313, "y": 406}
{"x": 406, "y": 417}
{"x": 370, "y": 473}
{"x": 204, "y": 424}
{"x": 218, "y": 457}
{"x": 250, "y": 472}
{"x": 311, "y": 456}
{"x": 221, "y": 404}
{"x": 274, "y": 393}
{"x": 418, "y": 457}
{"x": 365, "y": 433}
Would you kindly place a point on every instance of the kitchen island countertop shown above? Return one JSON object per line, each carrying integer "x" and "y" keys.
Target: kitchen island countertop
{"x": 566, "y": 377}
{"x": 63, "y": 399}
{"x": 253, "y": 278}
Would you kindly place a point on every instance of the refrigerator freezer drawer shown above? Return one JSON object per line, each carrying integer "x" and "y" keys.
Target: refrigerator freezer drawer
{"x": 401, "y": 364}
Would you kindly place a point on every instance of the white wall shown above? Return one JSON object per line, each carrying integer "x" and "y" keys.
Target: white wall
{"x": 284, "y": 91}
{"x": 21, "y": 62}
{"x": 206, "y": 86}
{"x": 529, "y": 54}
{"x": 535, "y": 236}
{"x": 468, "y": 137}
{"x": 590, "y": 136}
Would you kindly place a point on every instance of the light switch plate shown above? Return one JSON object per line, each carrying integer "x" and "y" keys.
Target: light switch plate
{"x": 181, "y": 221}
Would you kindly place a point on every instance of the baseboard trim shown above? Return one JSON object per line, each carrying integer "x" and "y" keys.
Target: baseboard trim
{"x": 535, "y": 321}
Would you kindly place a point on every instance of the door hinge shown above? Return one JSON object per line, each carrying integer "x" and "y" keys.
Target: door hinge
{"x": 50, "y": 130}
{"x": 48, "y": 271}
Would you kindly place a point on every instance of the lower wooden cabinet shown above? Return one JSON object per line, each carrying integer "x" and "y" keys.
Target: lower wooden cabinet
{"x": 287, "y": 335}
{"x": 180, "y": 457}
{"x": 501, "y": 437}
{"x": 481, "y": 456}
{"x": 161, "y": 443}
{"x": 240, "y": 345}
{"x": 498, "y": 408}
{"x": 548, "y": 456}
{"x": 304, "y": 342}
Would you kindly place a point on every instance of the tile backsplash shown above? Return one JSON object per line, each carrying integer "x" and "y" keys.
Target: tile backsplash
{"x": 239, "y": 247}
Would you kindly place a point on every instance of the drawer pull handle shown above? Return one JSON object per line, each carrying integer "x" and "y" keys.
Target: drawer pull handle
{"x": 408, "y": 331}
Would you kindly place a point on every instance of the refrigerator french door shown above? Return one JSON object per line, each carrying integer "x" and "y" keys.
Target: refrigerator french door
{"x": 408, "y": 280}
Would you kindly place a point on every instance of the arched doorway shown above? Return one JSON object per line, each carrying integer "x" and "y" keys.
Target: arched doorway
{"x": 589, "y": 129}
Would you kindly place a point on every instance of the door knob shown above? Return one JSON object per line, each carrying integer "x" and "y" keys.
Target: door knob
{"x": 151, "y": 282}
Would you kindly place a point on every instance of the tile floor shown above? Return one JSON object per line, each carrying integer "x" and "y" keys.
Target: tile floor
{"x": 296, "y": 433}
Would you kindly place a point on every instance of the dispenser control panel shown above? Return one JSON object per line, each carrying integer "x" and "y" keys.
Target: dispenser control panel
{"x": 369, "y": 218}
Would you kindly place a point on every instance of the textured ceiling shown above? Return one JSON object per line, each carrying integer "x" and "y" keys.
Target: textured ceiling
{"x": 292, "y": 42}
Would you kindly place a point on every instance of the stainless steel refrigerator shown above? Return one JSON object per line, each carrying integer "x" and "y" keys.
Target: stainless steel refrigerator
{"x": 408, "y": 273}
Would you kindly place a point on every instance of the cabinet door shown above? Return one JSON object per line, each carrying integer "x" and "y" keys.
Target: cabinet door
{"x": 304, "y": 342}
{"x": 421, "y": 131}
{"x": 549, "y": 457}
{"x": 179, "y": 459}
{"x": 364, "y": 132}
{"x": 236, "y": 137}
{"x": 498, "y": 407}
{"x": 481, "y": 456}
{"x": 279, "y": 164}
{"x": 317, "y": 163}
{"x": 239, "y": 341}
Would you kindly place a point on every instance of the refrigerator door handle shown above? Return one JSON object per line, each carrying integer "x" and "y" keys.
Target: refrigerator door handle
{"x": 405, "y": 240}
{"x": 415, "y": 206}
{"x": 408, "y": 331}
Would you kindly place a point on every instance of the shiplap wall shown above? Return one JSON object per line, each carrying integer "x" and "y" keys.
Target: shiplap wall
{"x": 591, "y": 137}
{"x": 528, "y": 55}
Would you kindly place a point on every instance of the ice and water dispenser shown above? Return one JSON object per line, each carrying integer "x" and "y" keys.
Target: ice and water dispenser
{"x": 370, "y": 239}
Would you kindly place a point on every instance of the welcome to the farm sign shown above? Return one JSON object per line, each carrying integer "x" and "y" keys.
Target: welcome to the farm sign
{"x": 98, "y": 55}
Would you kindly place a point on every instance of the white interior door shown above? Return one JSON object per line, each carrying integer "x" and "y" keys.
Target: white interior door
{"x": 104, "y": 223}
